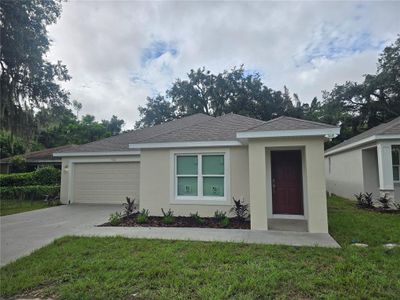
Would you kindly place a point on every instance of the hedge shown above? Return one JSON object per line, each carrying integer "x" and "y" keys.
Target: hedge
{"x": 42, "y": 176}
{"x": 31, "y": 192}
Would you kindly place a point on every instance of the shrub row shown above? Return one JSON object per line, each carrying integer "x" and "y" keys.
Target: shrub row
{"x": 42, "y": 176}
{"x": 31, "y": 192}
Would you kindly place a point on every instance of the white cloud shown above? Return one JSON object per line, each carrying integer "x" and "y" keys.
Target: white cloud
{"x": 306, "y": 46}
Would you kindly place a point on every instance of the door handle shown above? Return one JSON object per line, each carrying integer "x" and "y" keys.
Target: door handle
{"x": 273, "y": 185}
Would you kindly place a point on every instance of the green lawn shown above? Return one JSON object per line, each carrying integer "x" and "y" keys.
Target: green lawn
{"x": 9, "y": 207}
{"x": 120, "y": 268}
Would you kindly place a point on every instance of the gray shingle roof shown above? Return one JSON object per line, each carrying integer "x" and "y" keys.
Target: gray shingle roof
{"x": 289, "y": 123}
{"x": 392, "y": 127}
{"x": 196, "y": 128}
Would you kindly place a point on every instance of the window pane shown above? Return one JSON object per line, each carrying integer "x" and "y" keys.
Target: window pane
{"x": 213, "y": 164}
{"x": 396, "y": 173}
{"x": 186, "y": 165}
{"x": 395, "y": 155}
{"x": 187, "y": 186}
{"x": 213, "y": 186}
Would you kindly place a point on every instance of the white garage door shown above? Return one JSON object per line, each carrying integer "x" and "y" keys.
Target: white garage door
{"x": 107, "y": 183}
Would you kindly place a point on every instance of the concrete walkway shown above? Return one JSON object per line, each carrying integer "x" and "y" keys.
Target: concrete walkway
{"x": 25, "y": 232}
{"x": 222, "y": 235}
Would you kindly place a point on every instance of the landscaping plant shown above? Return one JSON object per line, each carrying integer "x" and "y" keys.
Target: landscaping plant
{"x": 219, "y": 215}
{"x": 143, "y": 216}
{"x": 240, "y": 210}
{"x": 199, "y": 220}
{"x": 129, "y": 206}
{"x": 384, "y": 200}
{"x": 168, "y": 216}
{"x": 224, "y": 222}
{"x": 115, "y": 218}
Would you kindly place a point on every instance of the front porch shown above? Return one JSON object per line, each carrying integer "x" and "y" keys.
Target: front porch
{"x": 290, "y": 196}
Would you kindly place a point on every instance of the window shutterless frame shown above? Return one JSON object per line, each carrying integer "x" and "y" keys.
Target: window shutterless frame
{"x": 212, "y": 199}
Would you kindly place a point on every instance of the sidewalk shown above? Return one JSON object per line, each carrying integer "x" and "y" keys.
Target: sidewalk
{"x": 222, "y": 235}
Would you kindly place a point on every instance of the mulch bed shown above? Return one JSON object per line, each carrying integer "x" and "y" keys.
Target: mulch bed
{"x": 234, "y": 223}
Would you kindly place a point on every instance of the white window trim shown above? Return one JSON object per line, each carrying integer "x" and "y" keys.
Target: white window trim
{"x": 200, "y": 200}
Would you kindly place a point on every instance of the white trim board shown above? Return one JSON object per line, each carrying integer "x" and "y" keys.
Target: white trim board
{"x": 105, "y": 153}
{"x": 185, "y": 144}
{"x": 363, "y": 141}
{"x": 330, "y": 132}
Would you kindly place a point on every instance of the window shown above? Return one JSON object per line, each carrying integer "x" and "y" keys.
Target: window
{"x": 200, "y": 176}
{"x": 396, "y": 162}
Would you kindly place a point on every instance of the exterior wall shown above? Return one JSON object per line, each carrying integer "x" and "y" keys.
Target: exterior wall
{"x": 344, "y": 177}
{"x": 157, "y": 181}
{"x": 397, "y": 193}
{"x": 314, "y": 184}
{"x": 67, "y": 171}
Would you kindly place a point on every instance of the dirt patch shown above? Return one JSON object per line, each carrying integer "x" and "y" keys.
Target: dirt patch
{"x": 234, "y": 223}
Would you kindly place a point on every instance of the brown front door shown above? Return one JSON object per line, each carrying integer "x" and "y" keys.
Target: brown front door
{"x": 287, "y": 182}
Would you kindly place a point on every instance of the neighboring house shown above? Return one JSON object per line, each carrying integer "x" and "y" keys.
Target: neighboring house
{"x": 368, "y": 162}
{"x": 198, "y": 163}
{"x": 37, "y": 159}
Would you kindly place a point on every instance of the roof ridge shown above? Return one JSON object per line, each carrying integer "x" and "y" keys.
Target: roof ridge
{"x": 309, "y": 121}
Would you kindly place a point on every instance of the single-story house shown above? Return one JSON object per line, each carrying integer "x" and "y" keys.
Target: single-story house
{"x": 366, "y": 163}
{"x": 198, "y": 163}
{"x": 36, "y": 159}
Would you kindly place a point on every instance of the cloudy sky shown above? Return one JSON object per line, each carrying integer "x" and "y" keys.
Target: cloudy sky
{"x": 119, "y": 52}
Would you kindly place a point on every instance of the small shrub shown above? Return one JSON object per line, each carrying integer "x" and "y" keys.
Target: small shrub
{"x": 368, "y": 201}
{"x": 224, "y": 222}
{"x": 18, "y": 164}
{"x": 47, "y": 176}
{"x": 115, "y": 219}
{"x": 143, "y": 216}
{"x": 239, "y": 209}
{"x": 129, "y": 206}
{"x": 168, "y": 216}
{"x": 31, "y": 192}
{"x": 197, "y": 218}
{"x": 17, "y": 179}
{"x": 360, "y": 200}
{"x": 219, "y": 215}
{"x": 384, "y": 201}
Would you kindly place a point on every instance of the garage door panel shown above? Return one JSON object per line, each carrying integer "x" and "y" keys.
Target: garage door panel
{"x": 106, "y": 182}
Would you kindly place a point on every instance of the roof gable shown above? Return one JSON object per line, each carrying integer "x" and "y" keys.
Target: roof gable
{"x": 389, "y": 128}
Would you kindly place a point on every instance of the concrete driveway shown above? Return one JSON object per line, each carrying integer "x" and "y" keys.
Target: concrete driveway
{"x": 22, "y": 233}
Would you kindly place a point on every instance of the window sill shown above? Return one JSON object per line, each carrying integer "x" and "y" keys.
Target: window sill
{"x": 201, "y": 201}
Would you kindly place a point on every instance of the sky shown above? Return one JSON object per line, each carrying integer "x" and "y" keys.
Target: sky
{"x": 120, "y": 52}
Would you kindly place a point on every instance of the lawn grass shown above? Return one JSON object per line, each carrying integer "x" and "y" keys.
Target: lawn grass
{"x": 348, "y": 224}
{"x": 9, "y": 207}
{"x": 121, "y": 268}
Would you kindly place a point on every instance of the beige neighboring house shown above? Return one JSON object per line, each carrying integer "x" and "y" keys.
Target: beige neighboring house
{"x": 198, "y": 163}
{"x": 368, "y": 162}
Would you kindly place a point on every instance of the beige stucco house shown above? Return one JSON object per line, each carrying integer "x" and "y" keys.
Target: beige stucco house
{"x": 366, "y": 163}
{"x": 198, "y": 163}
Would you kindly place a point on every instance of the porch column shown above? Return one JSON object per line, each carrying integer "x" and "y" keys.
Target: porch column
{"x": 258, "y": 189}
{"x": 316, "y": 191}
{"x": 386, "y": 186}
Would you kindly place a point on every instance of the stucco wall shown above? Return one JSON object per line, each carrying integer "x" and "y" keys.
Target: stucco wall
{"x": 156, "y": 181}
{"x": 67, "y": 170}
{"x": 313, "y": 160}
{"x": 345, "y": 177}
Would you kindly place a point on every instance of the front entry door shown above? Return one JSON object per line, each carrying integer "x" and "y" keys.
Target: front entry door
{"x": 287, "y": 182}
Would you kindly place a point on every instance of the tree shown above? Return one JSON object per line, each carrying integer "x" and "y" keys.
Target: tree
{"x": 157, "y": 110}
{"x": 27, "y": 79}
{"x": 229, "y": 91}
{"x": 360, "y": 106}
{"x": 114, "y": 126}
{"x": 77, "y": 106}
